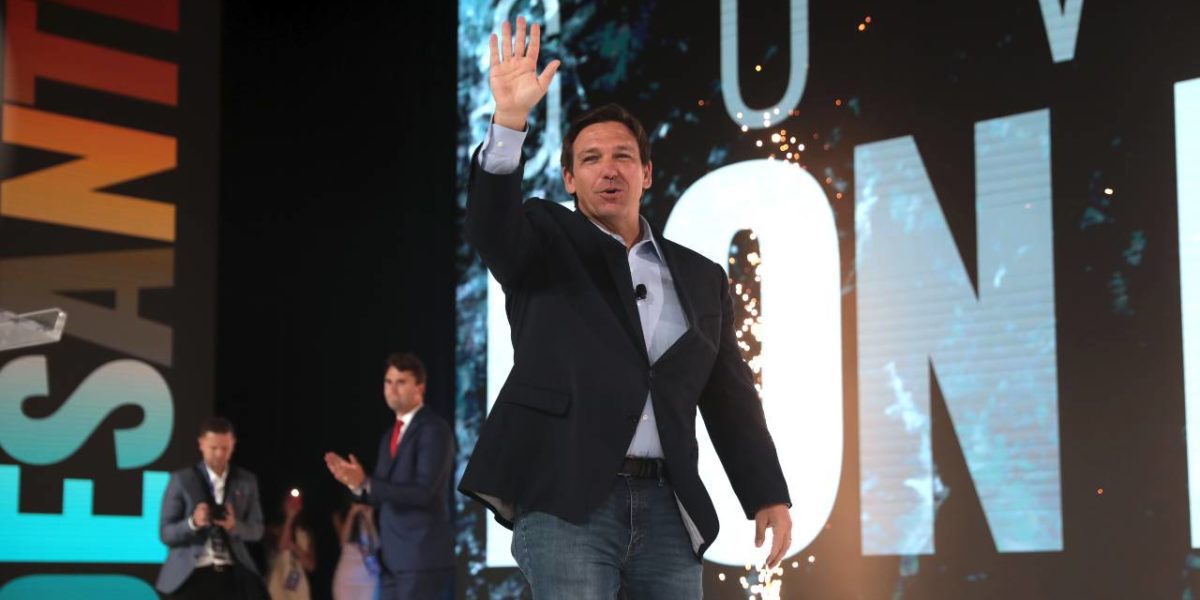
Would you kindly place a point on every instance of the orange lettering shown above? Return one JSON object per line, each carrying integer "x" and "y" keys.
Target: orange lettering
{"x": 67, "y": 194}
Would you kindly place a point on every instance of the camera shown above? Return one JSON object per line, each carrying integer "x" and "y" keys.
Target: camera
{"x": 216, "y": 512}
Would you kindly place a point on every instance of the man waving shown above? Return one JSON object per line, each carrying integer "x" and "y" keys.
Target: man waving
{"x": 619, "y": 337}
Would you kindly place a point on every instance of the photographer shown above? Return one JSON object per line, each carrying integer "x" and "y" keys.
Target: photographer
{"x": 209, "y": 511}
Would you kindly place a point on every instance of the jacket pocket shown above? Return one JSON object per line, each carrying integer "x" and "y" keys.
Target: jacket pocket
{"x": 553, "y": 402}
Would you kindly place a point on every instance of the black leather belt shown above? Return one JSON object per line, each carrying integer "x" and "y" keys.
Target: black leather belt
{"x": 644, "y": 468}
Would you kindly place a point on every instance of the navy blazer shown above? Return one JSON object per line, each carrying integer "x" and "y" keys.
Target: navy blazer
{"x": 557, "y": 434}
{"x": 411, "y": 495}
{"x": 183, "y": 493}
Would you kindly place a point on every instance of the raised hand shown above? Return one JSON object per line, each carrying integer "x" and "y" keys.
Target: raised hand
{"x": 516, "y": 85}
{"x": 349, "y": 472}
{"x": 292, "y": 507}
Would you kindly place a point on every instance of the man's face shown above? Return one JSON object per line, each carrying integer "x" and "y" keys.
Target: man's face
{"x": 217, "y": 449}
{"x": 402, "y": 391}
{"x": 609, "y": 177}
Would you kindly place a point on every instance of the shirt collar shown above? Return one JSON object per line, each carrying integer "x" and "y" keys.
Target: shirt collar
{"x": 407, "y": 417}
{"x": 646, "y": 237}
{"x": 217, "y": 480}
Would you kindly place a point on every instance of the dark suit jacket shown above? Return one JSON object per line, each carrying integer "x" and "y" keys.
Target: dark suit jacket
{"x": 411, "y": 495}
{"x": 557, "y": 435}
{"x": 183, "y": 493}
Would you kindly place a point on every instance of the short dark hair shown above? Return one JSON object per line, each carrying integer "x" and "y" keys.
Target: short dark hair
{"x": 215, "y": 424}
{"x": 604, "y": 114}
{"x": 404, "y": 361}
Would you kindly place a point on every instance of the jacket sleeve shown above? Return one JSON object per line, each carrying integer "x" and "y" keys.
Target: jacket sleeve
{"x": 733, "y": 415}
{"x": 173, "y": 527}
{"x": 250, "y": 528}
{"x": 498, "y": 226}
{"x": 435, "y": 456}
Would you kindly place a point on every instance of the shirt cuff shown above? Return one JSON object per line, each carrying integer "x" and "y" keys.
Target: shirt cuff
{"x": 365, "y": 487}
{"x": 192, "y": 525}
{"x": 501, "y": 150}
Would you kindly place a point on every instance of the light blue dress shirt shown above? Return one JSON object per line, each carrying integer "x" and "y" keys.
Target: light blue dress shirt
{"x": 661, "y": 314}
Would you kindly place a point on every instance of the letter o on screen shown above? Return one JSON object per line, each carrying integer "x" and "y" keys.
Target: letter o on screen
{"x": 801, "y": 334}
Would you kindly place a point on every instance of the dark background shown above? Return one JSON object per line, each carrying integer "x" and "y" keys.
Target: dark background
{"x": 336, "y": 234}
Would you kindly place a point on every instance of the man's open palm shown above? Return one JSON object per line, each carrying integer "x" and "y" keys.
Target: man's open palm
{"x": 516, "y": 85}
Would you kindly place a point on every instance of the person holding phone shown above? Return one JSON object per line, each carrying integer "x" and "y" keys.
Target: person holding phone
{"x": 292, "y": 553}
{"x": 356, "y": 576}
{"x": 210, "y": 511}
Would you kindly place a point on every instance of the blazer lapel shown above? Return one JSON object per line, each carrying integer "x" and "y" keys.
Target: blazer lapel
{"x": 233, "y": 490}
{"x": 198, "y": 486}
{"x": 407, "y": 437}
{"x": 679, "y": 275}
{"x": 603, "y": 253}
{"x": 675, "y": 265}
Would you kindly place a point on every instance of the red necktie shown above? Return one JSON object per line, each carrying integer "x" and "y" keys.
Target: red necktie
{"x": 396, "y": 436}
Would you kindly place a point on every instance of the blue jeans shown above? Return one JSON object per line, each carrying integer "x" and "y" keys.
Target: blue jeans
{"x": 635, "y": 543}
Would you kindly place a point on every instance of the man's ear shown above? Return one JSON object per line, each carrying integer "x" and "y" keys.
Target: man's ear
{"x": 568, "y": 181}
{"x": 647, "y": 175}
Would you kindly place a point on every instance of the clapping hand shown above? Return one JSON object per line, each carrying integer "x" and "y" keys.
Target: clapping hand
{"x": 349, "y": 472}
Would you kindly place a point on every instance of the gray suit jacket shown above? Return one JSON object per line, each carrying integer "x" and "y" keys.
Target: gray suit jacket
{"x": 183, "y": 493}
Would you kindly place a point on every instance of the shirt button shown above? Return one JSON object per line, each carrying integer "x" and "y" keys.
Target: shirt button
{"x": 645, "y": 417}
